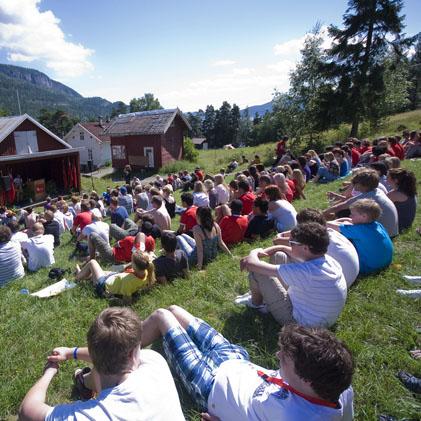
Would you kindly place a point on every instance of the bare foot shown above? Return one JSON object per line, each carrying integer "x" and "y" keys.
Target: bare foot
{"x": 77, "y": 270}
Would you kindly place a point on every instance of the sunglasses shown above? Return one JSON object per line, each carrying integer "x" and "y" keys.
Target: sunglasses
{"x": 297, "y": 243}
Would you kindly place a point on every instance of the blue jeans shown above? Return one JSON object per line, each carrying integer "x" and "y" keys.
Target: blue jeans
{"x": 187, "y": 244}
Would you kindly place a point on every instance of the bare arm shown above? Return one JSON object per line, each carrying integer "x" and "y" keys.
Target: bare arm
{"x": 33, "y": 407}
{"x": 199, "y": 247}
{"x": 252, "y": 263}
{"x": 336, "y": 208}
{"x": 221, "y": 243}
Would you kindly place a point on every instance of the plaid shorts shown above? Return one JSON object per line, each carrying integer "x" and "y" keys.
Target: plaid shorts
{"x": 196, "y": 354}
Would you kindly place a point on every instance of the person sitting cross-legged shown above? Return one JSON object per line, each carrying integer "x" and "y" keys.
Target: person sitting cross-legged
{"x": 313, "y": 380}
{"x": 131, "y": 382}
{"x": 301, "y": 284}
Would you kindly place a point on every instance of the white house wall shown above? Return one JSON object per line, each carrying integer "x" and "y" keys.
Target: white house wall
{"x": 101, "y": 152}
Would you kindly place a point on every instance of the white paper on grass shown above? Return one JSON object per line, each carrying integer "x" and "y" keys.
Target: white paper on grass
{"x": 54, "y": 289}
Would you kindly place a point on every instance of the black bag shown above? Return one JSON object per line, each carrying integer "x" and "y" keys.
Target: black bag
{"x": 57, "y": 273}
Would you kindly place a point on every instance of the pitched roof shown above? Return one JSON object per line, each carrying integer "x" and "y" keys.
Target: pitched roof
{"x": 97, "y": 130}
{"x": 198, "y": 140}
{"x": 9, "y": 124}
{"x": 144, "y": 122}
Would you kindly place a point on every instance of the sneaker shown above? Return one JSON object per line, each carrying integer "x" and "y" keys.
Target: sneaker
{"x": 262, "y": 308}
{"x": 82, "y": 391}
{"x": 411, "y": 293}
{"x": 241, "y": 299}
{"x": 412, "y": 383}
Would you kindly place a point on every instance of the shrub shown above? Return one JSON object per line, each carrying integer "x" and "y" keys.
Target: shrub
{"x": 190, "y": 152}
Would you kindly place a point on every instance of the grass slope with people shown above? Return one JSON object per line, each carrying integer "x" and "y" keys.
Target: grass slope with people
{"x": 377, "y": 324}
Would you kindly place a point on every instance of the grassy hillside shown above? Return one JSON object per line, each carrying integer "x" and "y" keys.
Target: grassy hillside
{"x": 377, "y": 324}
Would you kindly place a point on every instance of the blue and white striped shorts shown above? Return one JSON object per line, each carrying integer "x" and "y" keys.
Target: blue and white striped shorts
{"x": 196, "y": 354}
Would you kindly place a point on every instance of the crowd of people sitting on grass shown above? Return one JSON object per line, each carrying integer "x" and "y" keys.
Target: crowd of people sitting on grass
{"x": 315, "y": 258}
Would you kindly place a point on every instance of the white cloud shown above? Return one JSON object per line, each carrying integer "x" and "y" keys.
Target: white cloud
{"x": 29, "y": 34}
{"x": 221, "y": 63}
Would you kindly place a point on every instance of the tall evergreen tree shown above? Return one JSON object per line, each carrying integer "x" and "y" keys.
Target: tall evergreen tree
{"x": 415, "y": 75}
{"x": 356, "y": 66}
{"x": 208, "y": 125}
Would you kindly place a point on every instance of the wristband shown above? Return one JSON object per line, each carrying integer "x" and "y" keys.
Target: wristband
{"x": 75, "y": 353}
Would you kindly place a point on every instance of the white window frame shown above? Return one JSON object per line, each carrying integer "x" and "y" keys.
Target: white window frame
{"x": 118, "y": 151}
{"x": 81, "y": 135}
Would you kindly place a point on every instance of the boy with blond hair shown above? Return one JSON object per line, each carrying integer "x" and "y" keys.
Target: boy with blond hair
{"x": 370, "y": 238}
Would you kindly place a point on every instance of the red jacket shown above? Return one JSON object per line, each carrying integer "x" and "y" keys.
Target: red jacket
{"x": 233, "y": 228}
{"x": 248, "y": 200}
{"x": 188, "y": 218}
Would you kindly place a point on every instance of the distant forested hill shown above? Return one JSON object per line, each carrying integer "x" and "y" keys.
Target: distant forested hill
{"x": 37, "y": 91}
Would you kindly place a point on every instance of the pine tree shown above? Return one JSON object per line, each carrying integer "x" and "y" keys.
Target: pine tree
{"x": 356, "y": 66}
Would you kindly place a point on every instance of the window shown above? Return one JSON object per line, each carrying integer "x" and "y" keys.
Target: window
{"x": 26, "y": 142}
{"x": 119, "y": 151}
{"x": 82, "y": 135}
{"x": 90, "y": 156}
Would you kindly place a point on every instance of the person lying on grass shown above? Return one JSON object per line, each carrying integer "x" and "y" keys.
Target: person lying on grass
{"x": 370, "y": 238}
{"x": 139, "y": 275}
{"x": 313, "y": 380}
{"x": 302, "y": 284}
{"x": 131, "y": 382}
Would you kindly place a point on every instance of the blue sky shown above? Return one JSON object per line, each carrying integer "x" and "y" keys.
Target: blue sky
{"x": 188, "y": 53}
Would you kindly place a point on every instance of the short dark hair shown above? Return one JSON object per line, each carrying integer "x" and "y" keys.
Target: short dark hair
{"x": 381, "y": 167}
{"x": 273, "y": 193}
{"x": 265, "y": 178}
{"x": 367, "y": 178}
{"x": 169, "y": 242}
{"x": 262, "y": 204}
{"x": 157, "y": 199}
{"x": 84, "y": 206}
{"x": 310, "y": 215}
{"x": 236, "y": 206}
{"x": 187, "y": 198}
{"x": 319, "y": 358}
{"x": 244, "y": 185}
{"x": 5, "y": 234}
{"x": 112, "y": 337}
{"x": 14, "y": 226}
{"x": 313, "y": 235}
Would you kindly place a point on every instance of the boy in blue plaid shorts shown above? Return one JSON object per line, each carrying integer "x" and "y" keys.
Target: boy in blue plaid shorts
{"x": 314, "y": 379}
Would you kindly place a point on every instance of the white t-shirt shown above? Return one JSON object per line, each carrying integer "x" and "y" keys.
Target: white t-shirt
{"x": 223, "y": 194}
{"x": 59, "y": 217}
{"x": 40, "y": 251}
{"x": 200, "y": 199}
{"x": 99, "y": 227}
{"x": 238, "y": 393}
{"x": 148, "y": 393}
{"x": 317, "y": 289}
{"x": 68, "y": 220}
{"x": 344, "y": 252}
{"x": 19, "y": 236}
{"x": 10, "y": 262}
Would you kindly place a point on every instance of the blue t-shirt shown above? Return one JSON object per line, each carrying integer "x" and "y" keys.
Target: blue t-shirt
{"x": 119, "y": 215}
{"x": 344, "y": 168}
{"x": 373, "y": 245}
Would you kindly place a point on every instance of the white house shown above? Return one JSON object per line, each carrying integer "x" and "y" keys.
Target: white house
{"x": 97, "y": 144}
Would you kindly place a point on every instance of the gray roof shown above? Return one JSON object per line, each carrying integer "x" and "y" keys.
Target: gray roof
{"x": 9, "y": 124}
{"x": 198, "y": 140}
{"x": 144, "y": 123}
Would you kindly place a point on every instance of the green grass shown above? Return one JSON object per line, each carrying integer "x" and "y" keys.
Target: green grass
{"x": 377, "y": 324}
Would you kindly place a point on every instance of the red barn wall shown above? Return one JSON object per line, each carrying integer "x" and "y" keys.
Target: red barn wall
{"x": 134, "y": 146}
{"x": 172, "y": 142}
{"x": 45, "y": 141}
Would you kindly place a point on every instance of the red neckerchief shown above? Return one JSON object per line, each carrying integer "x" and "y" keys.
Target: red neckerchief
{"x": 283, "y": 385}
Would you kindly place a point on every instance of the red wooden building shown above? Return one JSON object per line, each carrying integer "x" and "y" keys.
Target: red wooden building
{"x": 147, "y": 139}
{"x": 30, "y": 150}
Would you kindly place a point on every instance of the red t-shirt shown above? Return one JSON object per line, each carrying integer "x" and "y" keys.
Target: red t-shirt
{"x": 233, "y": 228}
{"x": 398, "y": 150}
{"x": 83, "y": 219}
{"x": 355, "y": 156}
{"x": 248, "y": 200}
{"x": 188, "y": 218}
{"x": 200, "y": 175}
{"x": 280, "y": 148}
{"x": 291, "y": 185}
{"x": 123, "y": 250}
{"x": 289, "y": 195}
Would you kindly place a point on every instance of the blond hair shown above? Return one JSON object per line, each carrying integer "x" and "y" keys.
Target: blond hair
{"x": 367, "y": 207}
{"x": 142, "y": 261}
{"x": 297, "y": 175}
